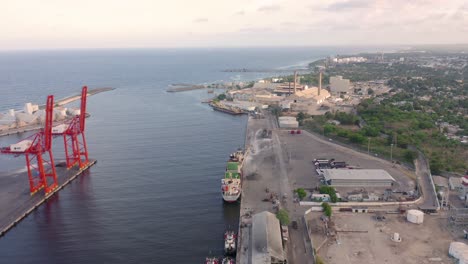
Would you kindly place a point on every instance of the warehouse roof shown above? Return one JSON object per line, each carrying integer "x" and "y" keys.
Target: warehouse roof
{"x": 356, "y": 174}
{"x": 266, "y": 238}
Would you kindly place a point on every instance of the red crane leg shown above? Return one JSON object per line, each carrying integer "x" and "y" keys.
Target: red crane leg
{"x": 34, "y": 175}
{"x": 84, "y": 151}
{"x": 50, "y": 174}
{"x": 70, "y": 150}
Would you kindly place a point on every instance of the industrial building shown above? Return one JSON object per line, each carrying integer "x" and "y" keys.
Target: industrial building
{"x": 338, "y": 85}
{"x": 267, "y": 245}
{"x": 358, "y": 178}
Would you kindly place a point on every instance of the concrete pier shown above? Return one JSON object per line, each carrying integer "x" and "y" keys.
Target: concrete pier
{"x": 265, "y": 167}
{"x": 16, "y": 203}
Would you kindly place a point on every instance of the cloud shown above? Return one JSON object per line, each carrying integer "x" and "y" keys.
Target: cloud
{"x": 256, "y": 30}
{"x": 269, "y": 8}
{"x": 240, "y": 13}
{"x": 201, "y": 20}
{"x": 348, "y": 5}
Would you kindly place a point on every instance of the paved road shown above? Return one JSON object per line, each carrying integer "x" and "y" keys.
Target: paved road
{"x": 430, "y": 201}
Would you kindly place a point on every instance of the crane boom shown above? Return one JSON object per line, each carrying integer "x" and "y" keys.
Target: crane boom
{"x": 48, "y": 122}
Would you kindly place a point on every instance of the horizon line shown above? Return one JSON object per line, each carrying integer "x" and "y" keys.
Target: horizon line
{"x": 229, "y": 47}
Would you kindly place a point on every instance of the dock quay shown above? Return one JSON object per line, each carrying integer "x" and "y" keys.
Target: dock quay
{"x": 266, "y": 168}
{"x": 16, "y": 201}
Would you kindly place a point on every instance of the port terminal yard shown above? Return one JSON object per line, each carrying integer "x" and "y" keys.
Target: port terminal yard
{"x": 283, "y": 162}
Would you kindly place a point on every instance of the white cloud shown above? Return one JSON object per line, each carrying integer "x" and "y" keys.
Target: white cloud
{"x": 153, "y": 23}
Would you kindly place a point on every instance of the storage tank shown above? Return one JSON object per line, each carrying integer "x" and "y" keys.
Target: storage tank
{"x": 415, "y": 216}
{"x": 463, "y": 258}
{"x": 458, "y": 250}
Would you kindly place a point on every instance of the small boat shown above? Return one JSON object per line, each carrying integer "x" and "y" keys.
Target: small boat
{"x": 229, "y": 242}
{"x": 212, "y": 261}
{"x": 228, "y": 260}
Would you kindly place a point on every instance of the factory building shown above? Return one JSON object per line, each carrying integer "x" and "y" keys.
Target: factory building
{"x": 338, "y": 85}
{"x": 358, "y": 178}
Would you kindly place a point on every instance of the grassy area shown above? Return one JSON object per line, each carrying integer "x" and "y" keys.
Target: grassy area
{"x": 387, "y": 131}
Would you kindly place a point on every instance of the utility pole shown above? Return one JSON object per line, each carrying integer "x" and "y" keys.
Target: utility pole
{"x": 391, "y": 152}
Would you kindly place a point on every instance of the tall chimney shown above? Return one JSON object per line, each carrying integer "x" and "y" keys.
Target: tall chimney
{"x": 320, "y": 83}
{"x": 295, "y": 80}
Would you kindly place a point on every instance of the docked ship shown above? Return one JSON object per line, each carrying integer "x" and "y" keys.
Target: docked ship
{"x": 228, "y": 260}
{"x": 211, "y": 261}
{"x": 231, "y": 184}
{"x": 230, "y": 242}
{"x": 226, "y": 109}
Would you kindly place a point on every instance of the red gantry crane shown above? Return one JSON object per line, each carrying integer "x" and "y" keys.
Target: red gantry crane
{"x": 38, "y": 152}
{"x": 76, "y": 150}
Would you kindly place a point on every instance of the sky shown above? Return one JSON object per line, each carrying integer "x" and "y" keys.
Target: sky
{"x": 62, "y": 24}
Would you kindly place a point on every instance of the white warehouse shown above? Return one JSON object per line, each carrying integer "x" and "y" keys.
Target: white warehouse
{"x": 358, "y": 178}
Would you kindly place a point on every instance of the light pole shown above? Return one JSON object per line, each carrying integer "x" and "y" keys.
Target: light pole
{"x": 368, "y": 146}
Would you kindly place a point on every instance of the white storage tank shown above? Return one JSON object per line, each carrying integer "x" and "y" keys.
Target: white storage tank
{"x": 20, "y": 146}
{"x": 415, "y": 216}
{"x": 458, "y": 250}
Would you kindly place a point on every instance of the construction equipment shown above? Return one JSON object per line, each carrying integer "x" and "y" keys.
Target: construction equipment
{"x": 76, "y": 150}
{"x": 38, "y": 152}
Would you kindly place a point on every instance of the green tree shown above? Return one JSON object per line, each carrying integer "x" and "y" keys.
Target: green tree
{"x": 370, "y": 91}
{"x": 409, "y": 156}
{"x": 330, "y": 190}
{"x": 283, "y": 216}
{"x": 276, "y": 110}
{"x": 221, "y": 97}
{"x": 327, "y": 210}
{"x": 300, "y": 118}
{"x": 436, "y": 165}
{"x": 301, "y": 193}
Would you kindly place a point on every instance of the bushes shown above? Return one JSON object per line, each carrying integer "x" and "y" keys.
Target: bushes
{"x": 357, "y": 138}
{"x": 346, "y": 119}
{"x": 370, "y": 131}
{"x": 328, "y": 128}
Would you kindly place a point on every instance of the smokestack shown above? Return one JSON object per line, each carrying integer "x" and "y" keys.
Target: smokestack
{"x": 320, "y": 83}
{"x": 295, "y": 80}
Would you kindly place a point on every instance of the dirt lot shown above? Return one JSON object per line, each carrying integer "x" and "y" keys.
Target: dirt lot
{"x": 425, "y": 243}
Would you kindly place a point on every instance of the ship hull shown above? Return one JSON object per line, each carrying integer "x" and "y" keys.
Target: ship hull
{"x": 228, "y": 111}
{"x": 231, "y": 198}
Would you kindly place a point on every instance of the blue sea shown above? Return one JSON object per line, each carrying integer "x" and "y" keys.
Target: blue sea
{"x": 154, "y": 195}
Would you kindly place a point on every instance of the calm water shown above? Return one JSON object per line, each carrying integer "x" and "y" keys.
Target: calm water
{"x": 154, "y": 195}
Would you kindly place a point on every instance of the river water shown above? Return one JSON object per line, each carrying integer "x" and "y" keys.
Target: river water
{"x": 154, "y": 195}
